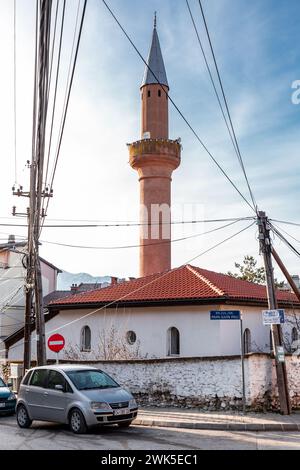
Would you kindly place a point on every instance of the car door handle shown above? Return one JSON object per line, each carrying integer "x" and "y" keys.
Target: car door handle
{"x": 27, "y": 390}
{"x": 46, "y": 393}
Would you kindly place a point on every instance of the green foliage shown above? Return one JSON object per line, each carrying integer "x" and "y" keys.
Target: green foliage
{"x": 249, "y": 271}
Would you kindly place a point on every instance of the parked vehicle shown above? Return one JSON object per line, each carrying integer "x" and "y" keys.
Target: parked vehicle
{"x": 8, "y": 399}
{"x": 77, "y": 395}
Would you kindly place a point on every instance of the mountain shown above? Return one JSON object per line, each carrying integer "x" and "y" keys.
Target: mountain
{"x": 65, "y": 279}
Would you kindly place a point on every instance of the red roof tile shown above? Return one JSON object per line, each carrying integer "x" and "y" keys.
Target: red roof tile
{"x": 183, "y": 283}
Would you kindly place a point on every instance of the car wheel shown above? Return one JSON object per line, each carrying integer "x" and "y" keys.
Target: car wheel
{"x": 22, "y": 417}
{"x": 125, "y": 425}
{"x": 77, "y": 422}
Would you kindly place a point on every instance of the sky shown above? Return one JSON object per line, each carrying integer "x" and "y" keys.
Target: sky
{"x": 257, "y": 48}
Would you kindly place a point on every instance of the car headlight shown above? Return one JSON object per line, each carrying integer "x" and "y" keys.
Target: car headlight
{"x": 132, "y": 403}
{"x": 95, "y": 405}
{"x": 12, "y": 396}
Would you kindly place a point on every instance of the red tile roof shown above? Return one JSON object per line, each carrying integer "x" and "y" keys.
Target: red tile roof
{"x": 184, "y": 283}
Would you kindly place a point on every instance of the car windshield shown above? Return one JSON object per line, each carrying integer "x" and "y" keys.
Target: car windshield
{"x": 91, "y": 379}
{"x": 2, "y": 384}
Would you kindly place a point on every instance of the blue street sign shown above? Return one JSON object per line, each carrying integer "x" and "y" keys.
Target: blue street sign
{"x": 225, "y": 315}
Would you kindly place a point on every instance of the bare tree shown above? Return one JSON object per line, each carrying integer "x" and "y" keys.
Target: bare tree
{"x": 112, "y": 345}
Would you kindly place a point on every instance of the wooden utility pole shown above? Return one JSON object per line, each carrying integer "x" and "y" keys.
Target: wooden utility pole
{"x": 286, "y": 273}
{"x": 266, "y": 250}
{"x": 33, "y": 287}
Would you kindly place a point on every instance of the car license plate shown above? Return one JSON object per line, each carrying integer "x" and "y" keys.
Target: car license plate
{"x": 2, "y": 405}
{"x": 122, "y": 411}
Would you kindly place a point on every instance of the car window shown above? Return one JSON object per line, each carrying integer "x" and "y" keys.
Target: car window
{"x": 91, "y": 379}
{"x": 2, "y": 384}
{"x": 38, "y": 378}
{"x": 26, "y": 378}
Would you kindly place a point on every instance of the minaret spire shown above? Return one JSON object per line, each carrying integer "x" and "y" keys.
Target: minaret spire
{"x": 155, "y": 157}
{"x": 155, "y": 62}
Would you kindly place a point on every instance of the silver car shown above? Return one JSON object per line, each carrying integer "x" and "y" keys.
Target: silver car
{"x": 80, "y": 396}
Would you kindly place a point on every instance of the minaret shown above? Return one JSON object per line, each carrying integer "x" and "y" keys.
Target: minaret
{"x": 155, "y": 157}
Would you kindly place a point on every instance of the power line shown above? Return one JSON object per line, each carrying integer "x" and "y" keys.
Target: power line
{"x": 285, "y": 222}
{"x": 156, "y": 279}
{"x": 68, "y": 93}
{"x": 56, "y": 83}
{"x": 177, "y": 108}
{"x": 284, "y": 240}
{"x": 210, "y": 75}
{"x": 146, "y": 244}
{"x": 227, "y": 107}
{"x": 221, "y": 243}
{"x": 132, "y": 224}
{"x": 15, "y": 93}
{"x": 284, "y": 231}
{"x": 142, "y": 245}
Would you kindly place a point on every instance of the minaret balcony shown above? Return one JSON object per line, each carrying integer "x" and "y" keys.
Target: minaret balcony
{"x": 157, "y": 152}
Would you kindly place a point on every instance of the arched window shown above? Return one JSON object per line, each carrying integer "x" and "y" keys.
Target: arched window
{"x": 247, "y": 341}
{"x": 173, "y": 342}
{"x": 294, "y": 338}
{"x": 85, "y": 340}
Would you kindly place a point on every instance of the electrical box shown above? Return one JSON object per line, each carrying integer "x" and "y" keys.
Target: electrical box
{"x": 16, "y": 370}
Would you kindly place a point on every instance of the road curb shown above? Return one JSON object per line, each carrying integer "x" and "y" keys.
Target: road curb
{"x": 283, "y": 427}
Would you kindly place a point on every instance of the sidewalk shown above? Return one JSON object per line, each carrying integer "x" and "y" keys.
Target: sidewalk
{"x": 192, "y": 419}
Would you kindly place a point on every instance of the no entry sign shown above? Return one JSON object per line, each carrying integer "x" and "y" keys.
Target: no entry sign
{"x": 56, "y": 342}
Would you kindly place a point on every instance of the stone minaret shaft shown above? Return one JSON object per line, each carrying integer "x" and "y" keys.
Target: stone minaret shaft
{"x": 155, "y": 157}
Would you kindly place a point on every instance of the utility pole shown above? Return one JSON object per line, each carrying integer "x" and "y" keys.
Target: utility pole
{"x": 36, "y": 194}
{"x": 266, "y": 250}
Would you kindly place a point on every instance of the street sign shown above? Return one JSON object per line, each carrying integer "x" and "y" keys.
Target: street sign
{"x": 273, "y": 317}
{"x": 56, "y": 343}
{"x": 280, "y": 353}
{"x": 225, "y": 315}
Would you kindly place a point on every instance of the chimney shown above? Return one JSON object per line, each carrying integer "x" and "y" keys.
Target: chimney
{"x": 113, "y": 280}
{"x": 74, "y": 288}
{"x": 11, "y": 240}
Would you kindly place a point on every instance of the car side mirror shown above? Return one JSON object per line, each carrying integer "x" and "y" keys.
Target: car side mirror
{"x": 60, "y": 388}
{"x": 9, "y": 384}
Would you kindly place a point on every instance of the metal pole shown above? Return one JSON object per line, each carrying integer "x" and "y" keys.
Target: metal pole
{"x": 266, "y": 248}
{"x": 242, "y": 364}
{"x": 57, "y": 360}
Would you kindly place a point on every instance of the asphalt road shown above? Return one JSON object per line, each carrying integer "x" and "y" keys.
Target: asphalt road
{"x": 48, "y": 436}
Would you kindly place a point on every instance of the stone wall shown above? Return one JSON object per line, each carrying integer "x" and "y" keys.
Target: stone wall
{"x": 212, "y": 383}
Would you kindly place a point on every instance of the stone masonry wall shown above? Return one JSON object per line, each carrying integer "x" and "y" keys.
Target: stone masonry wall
{"x": 207, "y": 383}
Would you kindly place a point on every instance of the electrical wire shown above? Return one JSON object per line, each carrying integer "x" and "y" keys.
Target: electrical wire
{"x": 138, "y": 224}
{"x": 285, "y": 222}
{"x": 227, "y": 107}
{"x": 156, "y": 279}
{"x": 177, "y": 108}
{"x": 15, "y": 92}
{"x": 138, "y": 246}
{"x": 55, "y": 89}
{"x": 221, "y": 243}
{"x": 63, "y": 121}
{"x": 284, "y": 240}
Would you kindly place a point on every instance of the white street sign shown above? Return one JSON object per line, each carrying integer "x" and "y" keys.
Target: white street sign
{"x": 273, "y": 317}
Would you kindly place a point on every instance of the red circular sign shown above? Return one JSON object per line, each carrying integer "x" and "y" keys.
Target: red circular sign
{"x": 56, "y": 343}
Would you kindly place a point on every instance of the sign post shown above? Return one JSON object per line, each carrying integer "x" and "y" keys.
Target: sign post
{"x": 56, "y": 343}
{"x": 234, "y": 315}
